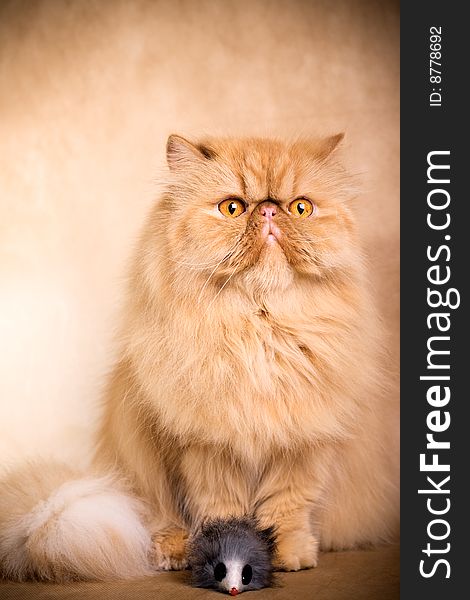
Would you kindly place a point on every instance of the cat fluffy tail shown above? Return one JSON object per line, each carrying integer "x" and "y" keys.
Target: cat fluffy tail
{"x": 57, "y": 525}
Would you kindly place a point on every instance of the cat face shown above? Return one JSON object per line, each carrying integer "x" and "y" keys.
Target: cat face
{"x": 258, "y": 211}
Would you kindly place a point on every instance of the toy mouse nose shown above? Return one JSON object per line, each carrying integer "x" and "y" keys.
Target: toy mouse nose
{"x": 268, "y": 210}
{"x": 233, "y": 591}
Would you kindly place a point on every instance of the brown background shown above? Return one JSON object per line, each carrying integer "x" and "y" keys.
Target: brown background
{"x": 89, "y": 92}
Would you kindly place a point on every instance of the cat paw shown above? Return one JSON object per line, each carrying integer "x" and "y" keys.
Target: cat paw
{"x": 169, "y": 550}
{"x": 296, "y": 551}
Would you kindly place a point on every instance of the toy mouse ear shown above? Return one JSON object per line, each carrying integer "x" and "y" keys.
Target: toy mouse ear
{"x": 268, "y": 535}
{"x": 181, "y": 153}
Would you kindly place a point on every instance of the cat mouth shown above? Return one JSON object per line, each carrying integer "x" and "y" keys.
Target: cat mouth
{"x": 270, "y": 233}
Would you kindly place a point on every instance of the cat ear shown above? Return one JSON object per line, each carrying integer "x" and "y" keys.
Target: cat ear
{"x": 330, "y": 144}
{"x": 180, "y": 152}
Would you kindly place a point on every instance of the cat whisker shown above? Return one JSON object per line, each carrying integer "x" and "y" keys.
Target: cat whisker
{"x": 229, "y": 254}
{"x": 220, "y": 291}
{"x": 200, "y": 266}
{"x": 193, "y": 266}
{"x": 209, "y": 278}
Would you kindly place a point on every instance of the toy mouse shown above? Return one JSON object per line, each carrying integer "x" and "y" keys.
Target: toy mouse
{"x": 232, "y": 555}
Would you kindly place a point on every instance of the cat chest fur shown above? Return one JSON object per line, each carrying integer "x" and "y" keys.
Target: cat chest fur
{"x": 258, "y": 382}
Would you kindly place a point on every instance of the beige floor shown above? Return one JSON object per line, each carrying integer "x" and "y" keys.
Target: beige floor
{"x": 361, "y": 575}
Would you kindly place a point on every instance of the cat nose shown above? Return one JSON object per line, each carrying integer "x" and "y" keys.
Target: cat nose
{"x": 268, "y": 211}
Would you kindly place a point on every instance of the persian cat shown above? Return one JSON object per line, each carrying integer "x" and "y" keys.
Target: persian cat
{"x": 249, "y": 379}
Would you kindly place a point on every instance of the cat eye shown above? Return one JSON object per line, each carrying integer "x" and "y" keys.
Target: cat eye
{"x": 232, "y": 207}
{"x": 247, "y": 574}
{"x": 301, "y": 207}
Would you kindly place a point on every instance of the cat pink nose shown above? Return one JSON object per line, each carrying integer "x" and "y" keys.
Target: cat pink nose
{"x": 268, "y": 211}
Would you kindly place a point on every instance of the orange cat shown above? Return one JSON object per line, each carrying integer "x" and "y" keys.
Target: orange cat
{"x": 248, "y": 381}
